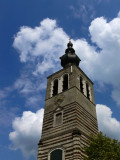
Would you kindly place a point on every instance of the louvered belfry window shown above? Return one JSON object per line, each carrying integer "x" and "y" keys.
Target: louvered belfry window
{"x": 87, "y": 90}
{"x": 65, "y": 82}
{"x": 55, "y": 87}
{"x": 81, "y": 84}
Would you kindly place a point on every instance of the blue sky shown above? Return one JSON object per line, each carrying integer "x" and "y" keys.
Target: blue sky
{"x": 33, "y": 35}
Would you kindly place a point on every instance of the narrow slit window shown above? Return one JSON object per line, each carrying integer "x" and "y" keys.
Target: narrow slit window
{"x": 65, "y": 82}
{"x": 81, "y": 84}
{"x": 55, "y": 87}
{"x": 87, "y": 90}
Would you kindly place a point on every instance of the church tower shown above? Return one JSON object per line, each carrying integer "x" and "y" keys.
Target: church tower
{"x": 70, "y": 112}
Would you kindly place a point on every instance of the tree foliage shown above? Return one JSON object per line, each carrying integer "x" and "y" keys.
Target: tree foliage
{"x": 102, "y": 148}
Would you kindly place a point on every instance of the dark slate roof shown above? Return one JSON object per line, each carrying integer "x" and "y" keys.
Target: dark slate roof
{"x": 69, "y": 57}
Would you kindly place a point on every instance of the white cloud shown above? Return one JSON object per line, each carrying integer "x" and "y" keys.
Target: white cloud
{"x": 24, "y": 85}
{"x": 30, "y": 87}
{"x": 45, "y": 43}
{"x": 107, "y": 37}
{"x": 106, "y": 123}
{"x": 119, "y": 14}
{"x": 84, "y": 11}
{"x": 116, "y": 95}
{"x": 34, "y": 100}
{"x": 41, "y": 47}
{"x": 27, "y": 132}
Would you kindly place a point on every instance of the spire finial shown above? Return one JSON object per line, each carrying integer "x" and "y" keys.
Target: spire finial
{"x": 69, "y": 57}
{"x": 70, "y": 43}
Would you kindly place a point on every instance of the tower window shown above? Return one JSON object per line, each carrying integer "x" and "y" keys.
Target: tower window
{"x": 87, "y": 90}
{"x": 56, "y": 154}
{"x": 58, "y": 119}
{"x": 81, "y": 84}
{"x": 55, "y": 87}
{"x": 65, "y": 82}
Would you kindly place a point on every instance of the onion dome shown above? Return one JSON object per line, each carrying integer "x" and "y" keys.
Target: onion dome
{"x": 69, "y": 57}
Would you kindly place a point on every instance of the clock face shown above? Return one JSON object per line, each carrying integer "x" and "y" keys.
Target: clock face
{"x": 58, "y": 100}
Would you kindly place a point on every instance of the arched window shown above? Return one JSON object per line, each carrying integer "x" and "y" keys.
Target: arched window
{"x": 81, "y": 84}
{"x": 65, "y": 82}
{"x": 87, "y": 91}
{"x": 55, "y": 87}
{"x": 57, "y": 154}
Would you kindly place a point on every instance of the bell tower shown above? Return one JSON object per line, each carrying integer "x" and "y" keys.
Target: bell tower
{"x": 70, "y": 112}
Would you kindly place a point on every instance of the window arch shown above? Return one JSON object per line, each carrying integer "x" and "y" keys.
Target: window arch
{"x": 65, "y": 82}
{"x": 56, "y": 154}
{"x": 55, "y": 87}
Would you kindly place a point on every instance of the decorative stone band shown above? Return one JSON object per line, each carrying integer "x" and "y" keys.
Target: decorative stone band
{"x": 76, "y": 144}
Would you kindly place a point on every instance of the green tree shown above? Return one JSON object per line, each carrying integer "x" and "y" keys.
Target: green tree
{"x": 102, "y": 148}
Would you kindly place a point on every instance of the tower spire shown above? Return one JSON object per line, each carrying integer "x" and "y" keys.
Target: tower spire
{"x": 70, "y": 56}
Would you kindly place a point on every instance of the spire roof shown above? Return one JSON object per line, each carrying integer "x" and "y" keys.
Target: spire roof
{"x": 70, "y": 56}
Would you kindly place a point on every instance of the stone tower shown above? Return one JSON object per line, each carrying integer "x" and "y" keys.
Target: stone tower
{"x": 70, "y": 112}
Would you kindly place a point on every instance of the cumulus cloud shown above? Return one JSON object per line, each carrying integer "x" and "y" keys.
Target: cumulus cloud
{"x": 106, "y": 35}
{"x": 42, "y": 46}
{"x": 106, "y": 123}
{"x": 119, "y": 14}
{"x": 39, "y": 49}
{"x": 26, "y": 132}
